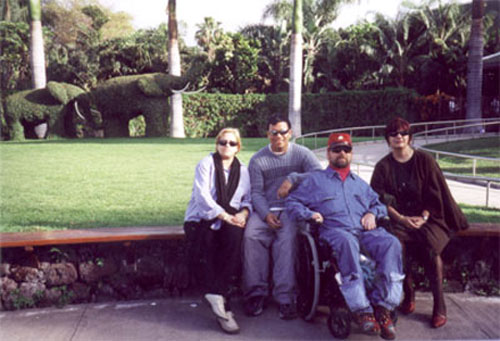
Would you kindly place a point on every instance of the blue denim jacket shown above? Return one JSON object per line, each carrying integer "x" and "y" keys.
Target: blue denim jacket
{"x": 341, "y": 203}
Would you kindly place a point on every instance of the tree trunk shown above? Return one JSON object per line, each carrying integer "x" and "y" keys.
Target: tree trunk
{"x": 37, "y": 55}
{"x": 295, "y": 88}
{"x": 174, "y": 68}
{"x": 475, "y": 64}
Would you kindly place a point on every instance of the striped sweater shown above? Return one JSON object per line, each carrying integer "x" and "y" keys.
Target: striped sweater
{"x": 268, "y": 171}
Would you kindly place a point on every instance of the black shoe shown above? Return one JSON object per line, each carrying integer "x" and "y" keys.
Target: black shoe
{"x": 288, "y": 311}
{"x": 254, "y": 306}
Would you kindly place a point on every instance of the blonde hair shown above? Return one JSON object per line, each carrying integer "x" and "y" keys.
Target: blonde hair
{"x": 229, "y": 130}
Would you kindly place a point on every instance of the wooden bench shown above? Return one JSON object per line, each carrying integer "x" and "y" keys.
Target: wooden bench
{"x": 481, "y": 230}
{"x": 128, "y": 234}
{"x": 95, "y": 235}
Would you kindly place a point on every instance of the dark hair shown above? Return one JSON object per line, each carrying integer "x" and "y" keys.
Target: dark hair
{"x": 277, "y": 118}
{"x": 397, "y": 124}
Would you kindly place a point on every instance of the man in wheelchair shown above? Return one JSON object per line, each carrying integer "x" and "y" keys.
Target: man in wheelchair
{"x": 347, "y": 208}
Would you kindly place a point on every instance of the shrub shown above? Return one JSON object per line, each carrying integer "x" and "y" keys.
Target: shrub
{"x": 206, "y": 114}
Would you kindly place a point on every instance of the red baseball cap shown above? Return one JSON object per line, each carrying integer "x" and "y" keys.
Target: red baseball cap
{"x": 339, "y": 139}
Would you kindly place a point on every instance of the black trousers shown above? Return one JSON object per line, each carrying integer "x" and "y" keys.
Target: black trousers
{"x": 214, "y": 255}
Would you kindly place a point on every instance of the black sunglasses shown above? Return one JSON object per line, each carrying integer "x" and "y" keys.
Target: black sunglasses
{"x": 225, "y": 142}
{"x": 281, "y": 132}
{"x": 338, "y": 149}
{"x": 403, "y": 133}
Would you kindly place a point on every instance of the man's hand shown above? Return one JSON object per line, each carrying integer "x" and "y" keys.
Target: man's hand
{"x": 284, "y": 189}
{"x": 317, "y": 217}
{"x": 368, "y": 221}
{"x": 273, "y": 221}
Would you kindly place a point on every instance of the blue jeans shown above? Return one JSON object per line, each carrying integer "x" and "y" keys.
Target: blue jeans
{"x": 384, "y": 249}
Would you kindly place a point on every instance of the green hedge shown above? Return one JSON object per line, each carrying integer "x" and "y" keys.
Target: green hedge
{"x": 206, "y": 114}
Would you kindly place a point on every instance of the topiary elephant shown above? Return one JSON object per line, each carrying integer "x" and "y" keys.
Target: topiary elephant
{"x": 61, "y": 105}
{"x": 123, "y": 98}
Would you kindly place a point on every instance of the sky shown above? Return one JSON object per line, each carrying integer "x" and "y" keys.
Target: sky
{"x": 233, "y": 14}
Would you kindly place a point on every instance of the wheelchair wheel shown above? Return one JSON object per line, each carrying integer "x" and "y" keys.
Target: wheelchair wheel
{"x": 308, "y": 279}
{"x": 339, "y": 323}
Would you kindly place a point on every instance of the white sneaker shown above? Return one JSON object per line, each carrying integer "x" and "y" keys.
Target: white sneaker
{"x": 216, "y": 303}
{"x": 229, "y": 326}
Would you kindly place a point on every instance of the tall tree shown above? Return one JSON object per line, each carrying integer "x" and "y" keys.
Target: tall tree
{"x": 445, "y": 29}
{"x": 37, "y": 55}
{"x": 475, "y": 63}
{"x": 209, "y": 35}
{"x": 400, "y": 46}
{"x": 295, "y": 89}
{"x": 174, "y": 69}
{"x": 317, "y": 16}
{"x": 273, "y": 55}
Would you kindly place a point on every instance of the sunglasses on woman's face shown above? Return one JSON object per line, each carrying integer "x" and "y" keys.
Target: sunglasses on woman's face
{"x": 281, "y": 132}
{"x": 225, "y": 142}
{"x": 402, "y": 133}
{"x": 338, "y": 149}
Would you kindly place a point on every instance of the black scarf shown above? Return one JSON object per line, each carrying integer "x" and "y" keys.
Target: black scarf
{"x": 225, "y": 191}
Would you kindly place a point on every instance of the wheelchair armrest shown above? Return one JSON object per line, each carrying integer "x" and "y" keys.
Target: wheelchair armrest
{"x": 385, "y": 221}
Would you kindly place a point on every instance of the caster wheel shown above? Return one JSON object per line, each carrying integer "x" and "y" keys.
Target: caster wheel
{"x": 339, "y": 324}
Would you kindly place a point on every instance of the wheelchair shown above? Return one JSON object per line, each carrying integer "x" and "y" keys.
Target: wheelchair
{"x": 318, "y": 277}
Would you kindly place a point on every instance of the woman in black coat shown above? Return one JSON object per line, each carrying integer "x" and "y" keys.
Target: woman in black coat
{"x": 421, "y": 208}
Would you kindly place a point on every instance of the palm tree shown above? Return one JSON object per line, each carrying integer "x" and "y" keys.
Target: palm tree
{"x": 295, "y": 92}
{"x": 446, "y": 29}
{"x": 208, "y": 35}
{"x": 400, "y": 49}
{"x": 37, "y": 55}
{"x": 475, "y": 63}
{"x": 273, "y": 56}
{"x": 174, "y": 68}
{"x": 317, "y": 16}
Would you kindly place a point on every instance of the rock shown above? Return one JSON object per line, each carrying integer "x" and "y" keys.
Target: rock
{"x": 27, "y": 274}
{"x": 4, "y": 269}
{"x": 150, "y": 271}
{"x": 105, "y": 293}
{"x": 52, "y": 297}
{"x": 33, "y": 290}
{"x": 91, "y": 272}
{"x": 81, "y": 292}
{"x": 7, "y": 285}
{"x": 60, "y": 274}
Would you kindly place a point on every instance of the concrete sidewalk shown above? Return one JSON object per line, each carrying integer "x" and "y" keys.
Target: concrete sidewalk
{"x": 367, "y": 154}
{"x": 470, "y": 317}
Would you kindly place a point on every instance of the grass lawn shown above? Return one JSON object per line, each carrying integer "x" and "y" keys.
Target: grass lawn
{"x": 488, "y": 147}
{"x": 64, "y": 184}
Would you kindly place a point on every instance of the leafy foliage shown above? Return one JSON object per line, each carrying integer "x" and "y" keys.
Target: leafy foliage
{"x": 206, "y": 114}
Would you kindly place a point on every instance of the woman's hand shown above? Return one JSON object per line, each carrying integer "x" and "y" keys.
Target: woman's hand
{"x": 414, "y": 222}
{"x": 239, "y": 219}
{"x": 417, "y": 221}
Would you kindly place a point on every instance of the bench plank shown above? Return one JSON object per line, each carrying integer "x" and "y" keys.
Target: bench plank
{"x": 95, "y": 235}
{"x": 481, "y": 230}
{"x": 137, "y": 233}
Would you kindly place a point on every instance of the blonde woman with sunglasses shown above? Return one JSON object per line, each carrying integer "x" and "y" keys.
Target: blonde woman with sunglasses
{"x": 214, "y": 221}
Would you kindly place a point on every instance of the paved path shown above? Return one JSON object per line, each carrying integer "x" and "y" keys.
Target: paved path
{"x": 470, "y": 317}
{"x": 366, "y": 155}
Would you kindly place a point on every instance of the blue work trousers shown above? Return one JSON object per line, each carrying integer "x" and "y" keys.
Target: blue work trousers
{"x": 384, "y": 249}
